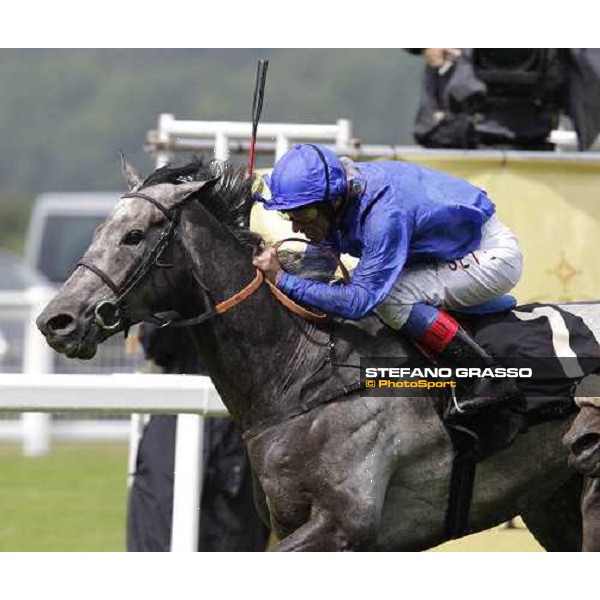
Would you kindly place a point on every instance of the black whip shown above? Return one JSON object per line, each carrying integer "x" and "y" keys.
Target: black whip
{"x": 259, "y": 94}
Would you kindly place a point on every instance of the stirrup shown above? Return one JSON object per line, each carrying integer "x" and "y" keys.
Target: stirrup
{"x": 475, "y": 405}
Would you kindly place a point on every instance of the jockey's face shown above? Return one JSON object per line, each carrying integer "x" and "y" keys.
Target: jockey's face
{"x": 312, "y": 222}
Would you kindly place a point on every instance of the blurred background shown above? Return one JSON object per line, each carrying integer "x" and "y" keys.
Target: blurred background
{"x": 64, "y": 114}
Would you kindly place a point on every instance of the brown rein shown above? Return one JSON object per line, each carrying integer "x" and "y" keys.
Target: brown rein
{"x": 259, "y": 279}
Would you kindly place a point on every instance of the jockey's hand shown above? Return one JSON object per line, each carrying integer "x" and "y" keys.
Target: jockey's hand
{"x": 268, "y": 263}
{"x": 436, "y": 57}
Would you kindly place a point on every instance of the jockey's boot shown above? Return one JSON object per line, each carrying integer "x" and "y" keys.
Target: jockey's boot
{"x": 440, "y": 337}
{"x": 485, "y": 393}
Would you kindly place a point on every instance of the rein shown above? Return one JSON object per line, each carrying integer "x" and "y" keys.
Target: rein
{"x": 117, "y": 310}
{"x": 288, "y": 302}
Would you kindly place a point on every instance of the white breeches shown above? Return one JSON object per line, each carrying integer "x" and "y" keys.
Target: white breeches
{"x": 484, "y": 274}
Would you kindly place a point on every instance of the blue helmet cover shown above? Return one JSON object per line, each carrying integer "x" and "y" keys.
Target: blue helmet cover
{"x": 300, "y": 178}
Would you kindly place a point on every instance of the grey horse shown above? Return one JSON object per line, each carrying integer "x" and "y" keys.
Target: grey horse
{"x": 349, "y": 473}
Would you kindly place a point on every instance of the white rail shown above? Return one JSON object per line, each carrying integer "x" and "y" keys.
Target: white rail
{"x": 194, "y": 396}
{"x": 37, "y": 360}
{"x": 118, "y": 393}
{"x": 174, "y": 135}
{"x": 566, "y": 141}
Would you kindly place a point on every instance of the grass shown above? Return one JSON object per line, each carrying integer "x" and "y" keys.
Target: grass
{"x": 74, "y": 500}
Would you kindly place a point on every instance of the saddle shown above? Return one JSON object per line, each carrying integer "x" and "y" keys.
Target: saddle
{"x": 494, "y": 325}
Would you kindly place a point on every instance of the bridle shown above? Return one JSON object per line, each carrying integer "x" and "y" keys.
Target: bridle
{"x": 118, "y": 307}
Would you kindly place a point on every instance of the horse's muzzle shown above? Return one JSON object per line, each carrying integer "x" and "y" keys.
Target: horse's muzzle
{"x": 584, "y": 454}
{"x": 62, "y": 332}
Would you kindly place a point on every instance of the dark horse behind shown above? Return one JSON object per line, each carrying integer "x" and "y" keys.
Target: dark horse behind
{"x": 341, "y": 472}
{"x": 583, "y": 443}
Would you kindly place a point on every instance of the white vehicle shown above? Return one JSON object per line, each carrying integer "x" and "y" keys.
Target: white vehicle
{"x": 60, "y": 230}
{"x": 16, "y": 277}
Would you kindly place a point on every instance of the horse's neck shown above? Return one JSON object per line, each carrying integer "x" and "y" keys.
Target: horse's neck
{"x": 251, "y": 348}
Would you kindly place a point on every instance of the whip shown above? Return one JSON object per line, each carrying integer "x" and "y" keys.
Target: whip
{"x": 259, "y": 94}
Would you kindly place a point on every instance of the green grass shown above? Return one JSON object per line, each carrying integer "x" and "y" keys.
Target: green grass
{"x": 73, "y": 499}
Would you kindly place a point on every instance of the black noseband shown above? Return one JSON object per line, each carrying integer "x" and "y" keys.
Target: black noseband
{"x": 122, "y": 291}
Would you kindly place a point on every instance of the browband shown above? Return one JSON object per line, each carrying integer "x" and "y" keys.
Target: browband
{"x": 150, "y": 199}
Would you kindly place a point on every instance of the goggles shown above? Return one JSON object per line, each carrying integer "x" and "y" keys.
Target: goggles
{"x": 302, "y": 216}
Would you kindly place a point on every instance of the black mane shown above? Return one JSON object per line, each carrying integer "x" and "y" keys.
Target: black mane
{"x": 229, "y": 199}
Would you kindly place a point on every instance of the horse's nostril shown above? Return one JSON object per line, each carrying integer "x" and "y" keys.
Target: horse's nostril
{"x": 585, "y": 442}
{"x": 62, "y": 323}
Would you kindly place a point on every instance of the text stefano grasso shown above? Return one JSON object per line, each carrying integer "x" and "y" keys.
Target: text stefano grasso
{"x": 445, "y": 372}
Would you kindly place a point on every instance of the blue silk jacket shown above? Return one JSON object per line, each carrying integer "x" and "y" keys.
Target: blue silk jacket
{"x": 403, "y": 214}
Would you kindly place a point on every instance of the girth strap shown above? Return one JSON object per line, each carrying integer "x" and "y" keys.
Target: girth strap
{"x": 462, "y": 482}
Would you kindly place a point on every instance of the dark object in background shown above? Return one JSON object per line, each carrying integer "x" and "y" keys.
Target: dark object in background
{"x": 510, "y": 98}
{"x": 583, "y": 94}
{"x": 228, "y": 519}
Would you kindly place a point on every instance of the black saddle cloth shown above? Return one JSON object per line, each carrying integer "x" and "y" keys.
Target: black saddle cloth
{"x": 560, "y": 348}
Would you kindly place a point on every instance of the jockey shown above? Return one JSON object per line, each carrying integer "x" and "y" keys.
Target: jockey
{"x": 425, "y": 241}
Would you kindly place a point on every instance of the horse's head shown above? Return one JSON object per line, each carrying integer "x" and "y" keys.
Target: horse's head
{"x": 583, "y": 442}
{"x": 115, "y": 283}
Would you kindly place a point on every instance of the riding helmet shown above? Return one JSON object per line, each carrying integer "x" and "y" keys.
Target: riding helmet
{"x": 305, "y": 174}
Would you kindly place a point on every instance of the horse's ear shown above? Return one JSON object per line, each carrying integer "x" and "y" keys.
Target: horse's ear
{"x": 132, "y": 179}
{"x": 183, "y": 191}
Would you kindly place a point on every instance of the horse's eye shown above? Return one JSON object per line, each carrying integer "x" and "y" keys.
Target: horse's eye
{"x": 133, "y": 237}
